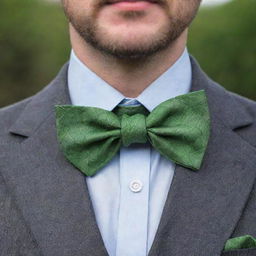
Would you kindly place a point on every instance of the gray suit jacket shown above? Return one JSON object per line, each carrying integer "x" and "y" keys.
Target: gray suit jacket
{"x": 45, "y": 208}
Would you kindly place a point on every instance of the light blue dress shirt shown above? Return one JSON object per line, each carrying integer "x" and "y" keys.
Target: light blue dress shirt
{"x": 129, "y": 193}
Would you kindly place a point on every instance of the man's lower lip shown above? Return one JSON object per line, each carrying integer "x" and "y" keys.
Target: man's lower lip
{"x": 133, "y": 6}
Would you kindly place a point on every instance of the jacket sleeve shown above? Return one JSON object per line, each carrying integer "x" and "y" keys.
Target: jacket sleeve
{"x": 15, "y": 237}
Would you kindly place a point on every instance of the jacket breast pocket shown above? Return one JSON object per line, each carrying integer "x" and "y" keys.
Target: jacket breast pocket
{"x": 240, "y": 252}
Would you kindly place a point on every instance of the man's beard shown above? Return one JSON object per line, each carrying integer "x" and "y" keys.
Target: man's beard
{"x": 89, "y": 32}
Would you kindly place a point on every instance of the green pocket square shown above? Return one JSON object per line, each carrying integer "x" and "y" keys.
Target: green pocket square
{"x": 241, "y": 242}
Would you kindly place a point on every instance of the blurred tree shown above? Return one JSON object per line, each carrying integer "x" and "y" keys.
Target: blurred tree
{"x": 34, "y": 44}
{"x": 223, "y": 39}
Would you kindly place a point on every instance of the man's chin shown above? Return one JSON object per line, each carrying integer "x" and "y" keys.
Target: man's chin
{"x": 138, "y": 52}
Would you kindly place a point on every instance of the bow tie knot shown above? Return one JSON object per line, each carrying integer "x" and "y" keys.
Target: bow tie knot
{"x": 133, "y": 129}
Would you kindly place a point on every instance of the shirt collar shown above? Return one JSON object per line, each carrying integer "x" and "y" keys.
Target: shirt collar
{"x": 172, "y": 83}
{"x": 88, "y": 89}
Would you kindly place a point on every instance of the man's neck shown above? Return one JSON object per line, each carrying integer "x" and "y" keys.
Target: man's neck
{"x": 128, "y": 77}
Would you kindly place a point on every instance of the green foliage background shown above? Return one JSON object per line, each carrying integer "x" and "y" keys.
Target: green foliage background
{"x": 34, "y": 44}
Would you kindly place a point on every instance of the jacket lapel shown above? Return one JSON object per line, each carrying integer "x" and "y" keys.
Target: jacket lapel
{"x": 51, "y": 194}
{"x": 203, "y": 207}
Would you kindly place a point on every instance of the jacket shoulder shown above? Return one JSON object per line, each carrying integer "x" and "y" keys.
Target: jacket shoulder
{"x": 248, "y": 132}
{"x": 250, "y": 105}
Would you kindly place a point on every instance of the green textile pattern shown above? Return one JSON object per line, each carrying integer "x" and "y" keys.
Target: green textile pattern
{"x": 241, "y": 242}
{"x": 177, "y": 128}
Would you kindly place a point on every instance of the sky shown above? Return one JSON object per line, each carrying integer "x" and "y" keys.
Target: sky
{"x": 214, "y": 2}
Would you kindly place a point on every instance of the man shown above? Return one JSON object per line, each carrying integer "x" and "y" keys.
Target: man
{"x": 139, "y": 201}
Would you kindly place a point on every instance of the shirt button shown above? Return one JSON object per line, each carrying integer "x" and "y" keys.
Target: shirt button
{"x": 136, "y": 186}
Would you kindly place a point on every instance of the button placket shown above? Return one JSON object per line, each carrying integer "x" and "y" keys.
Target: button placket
{"x": 134, "y": 201}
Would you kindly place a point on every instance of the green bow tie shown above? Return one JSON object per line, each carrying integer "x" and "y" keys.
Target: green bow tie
{"x": 177, "y": 128}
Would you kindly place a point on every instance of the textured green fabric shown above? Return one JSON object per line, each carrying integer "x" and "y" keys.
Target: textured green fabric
{"x": 130, "y": 110}
{"x": 178, "y": 128}
{"x": 241, "y": 242}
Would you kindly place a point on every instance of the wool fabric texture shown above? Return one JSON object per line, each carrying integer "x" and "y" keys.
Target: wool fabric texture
{"x": 178, "y": 128}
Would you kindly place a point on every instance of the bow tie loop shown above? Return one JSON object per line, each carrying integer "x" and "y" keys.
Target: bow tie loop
{"x": 133, "y": 129}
